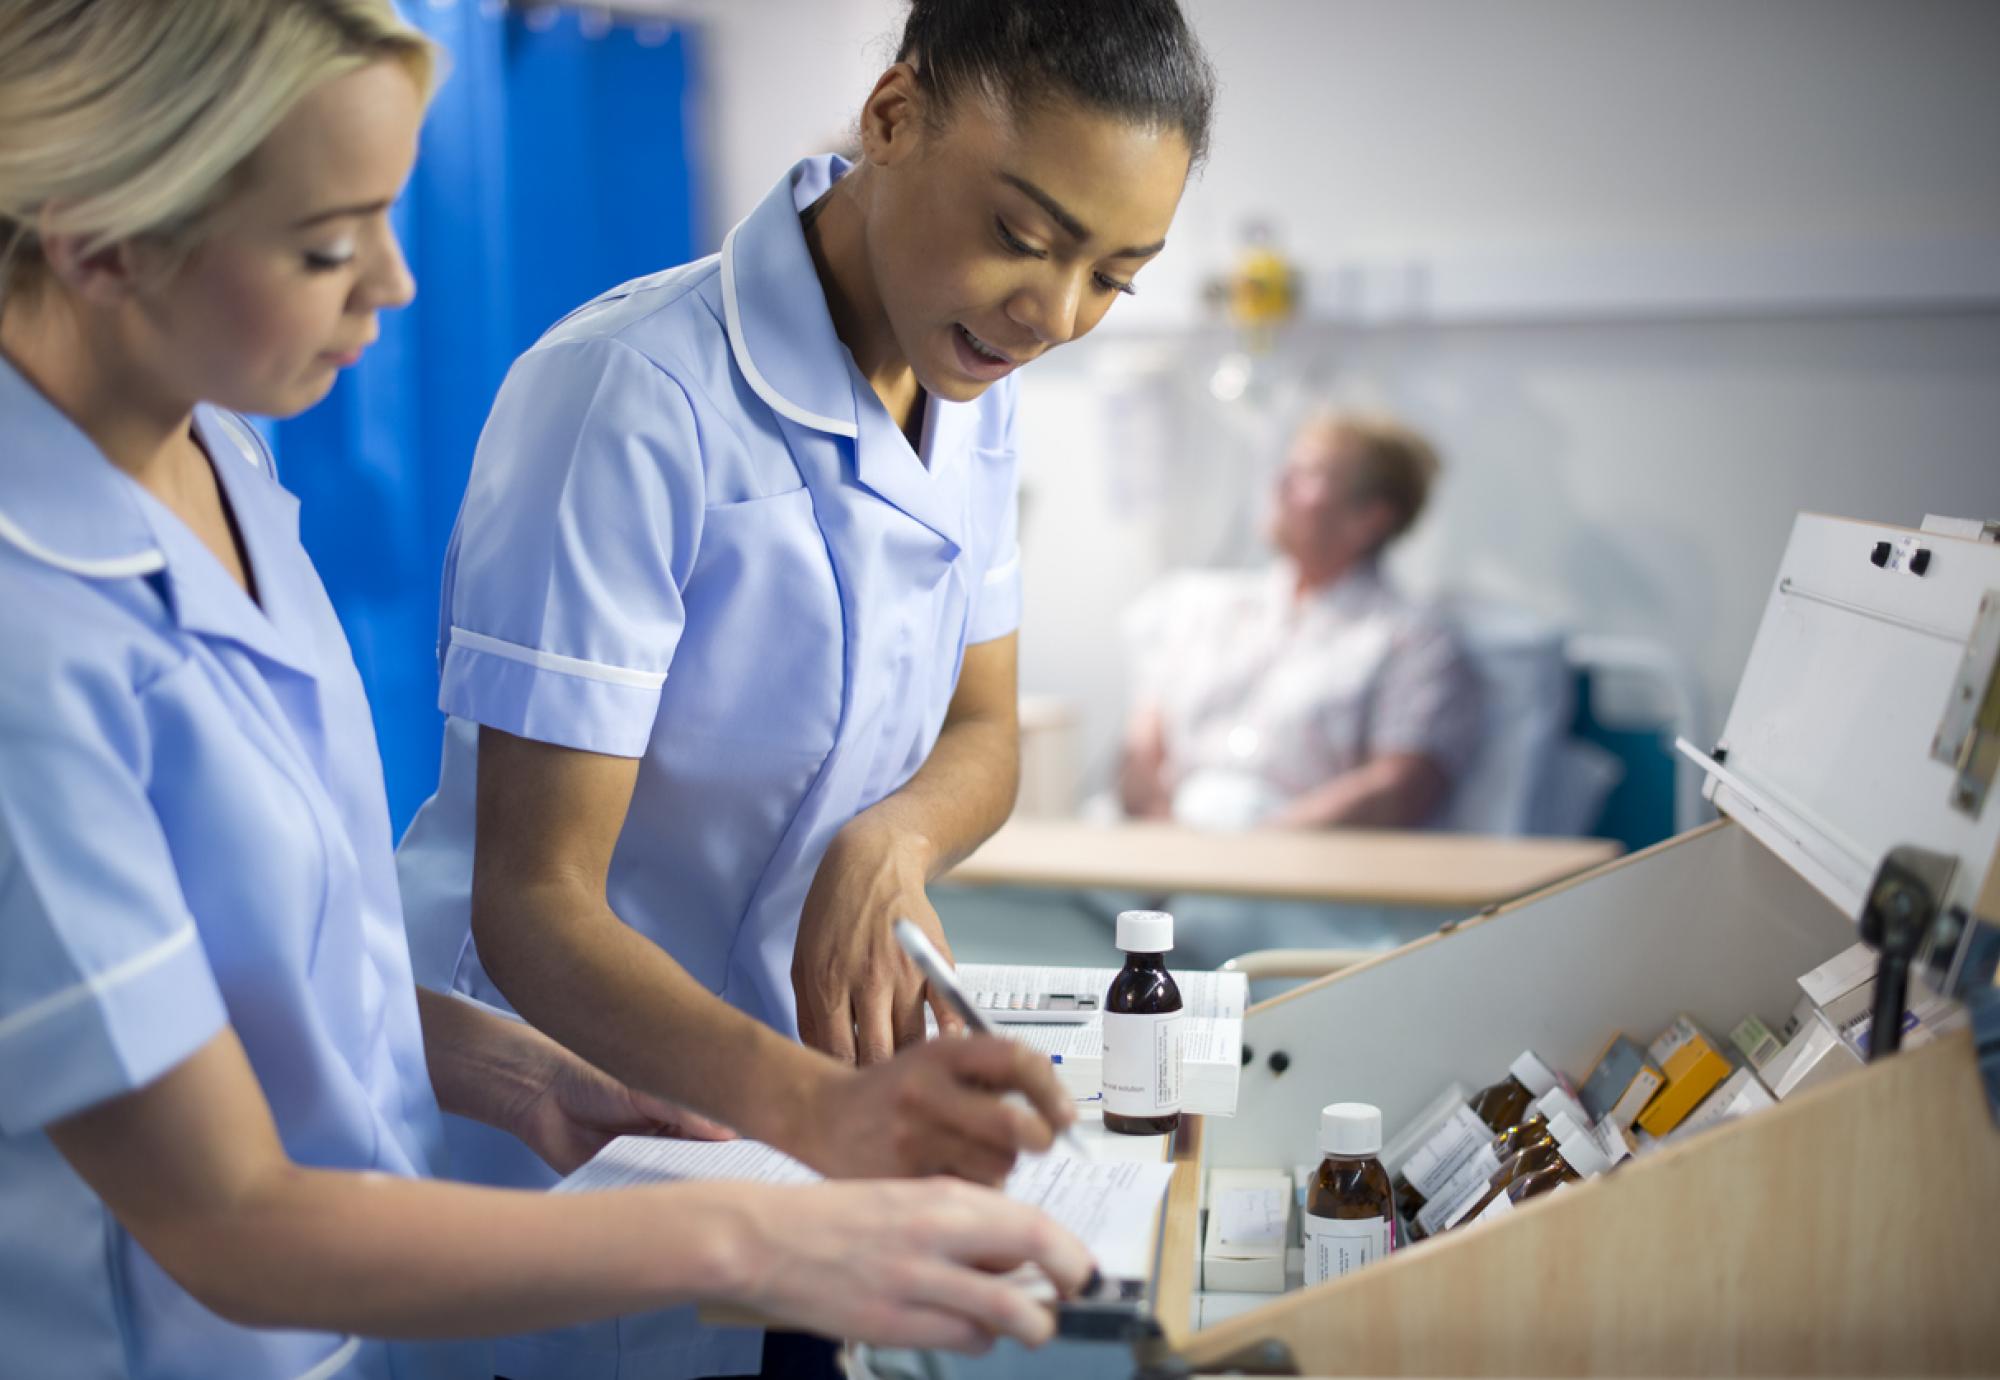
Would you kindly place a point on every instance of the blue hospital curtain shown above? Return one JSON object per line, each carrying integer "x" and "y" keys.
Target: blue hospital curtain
{"x": 555, "y": 164}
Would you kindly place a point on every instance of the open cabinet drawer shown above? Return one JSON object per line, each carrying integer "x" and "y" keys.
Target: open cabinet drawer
{"x": 1851, "y": 1229}
{"x": 1848, "y": 1230}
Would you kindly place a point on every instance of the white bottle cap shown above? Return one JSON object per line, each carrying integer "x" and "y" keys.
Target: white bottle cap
{"x": 1145, "y": 931}
{"x": 1580, "y": 1147}
{"x": 1350, "y": 1128}
{"x": 1532, "y": 1074}
{"x": 1558, "y": 1100}
{"x": 1617, "y": 1145}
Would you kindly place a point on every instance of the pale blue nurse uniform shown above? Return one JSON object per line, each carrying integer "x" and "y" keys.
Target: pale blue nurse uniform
{"x": 694, "y": 537}
{"x": 193, "y": 835}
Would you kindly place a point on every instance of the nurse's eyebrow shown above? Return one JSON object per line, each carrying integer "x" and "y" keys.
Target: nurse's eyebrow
{"x": 1068, "y": 223}
{"x": 363, "y": 208}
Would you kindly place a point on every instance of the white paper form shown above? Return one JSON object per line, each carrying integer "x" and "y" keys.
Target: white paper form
{"x": 1111, "y": 1206}
{"x": 632, "y": 1160}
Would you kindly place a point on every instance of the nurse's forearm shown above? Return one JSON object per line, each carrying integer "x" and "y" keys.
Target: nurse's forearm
{"x": 549, "y": 820}
{"x": 577, "y": 972}
{"x": 476, "y": 1069}
{"x": 191, "y": 1165}
{"x": 393, "y": 1257}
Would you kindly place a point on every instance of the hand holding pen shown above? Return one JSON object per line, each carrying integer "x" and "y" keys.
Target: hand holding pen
{"x": 944, "y": 984}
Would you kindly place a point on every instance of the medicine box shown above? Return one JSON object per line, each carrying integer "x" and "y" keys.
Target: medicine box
{"x": 1249, "y": 1222}
{"x": 1740, "y": 1094}
{"x": 1814, "y": 1056}
{"x": 1851, "y": 968}
{"x": 1693, "y": 1068}
{"x": 1622, "y": 1083}
{"x": 1754, "y": 1040}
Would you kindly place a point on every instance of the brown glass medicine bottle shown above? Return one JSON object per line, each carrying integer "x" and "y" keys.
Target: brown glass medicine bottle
{"x": 1514, "y": 1150}
{"x": 1535, "y": 1147}
{"x": 1142, "y": 1031}
{"x": 1506, "y": 1103}
{"x": 1502, "y": 1107}
{"x": 1577, "y": 1155}
{"x": 1350, "y": 1216}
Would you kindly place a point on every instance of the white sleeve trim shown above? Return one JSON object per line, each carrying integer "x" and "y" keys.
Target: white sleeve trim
{"x": 97, "y": 984}
{"x": 335, "y": 1363}
{"x": 1006, "y": 570}
{"x": 552, "y": 661}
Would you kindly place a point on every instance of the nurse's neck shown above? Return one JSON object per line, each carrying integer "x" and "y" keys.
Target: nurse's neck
{"x": 836, "y": 231}
{"x": 88, "y": 377}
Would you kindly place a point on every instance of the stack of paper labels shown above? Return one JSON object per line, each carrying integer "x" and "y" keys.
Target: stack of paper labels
{"x": 1211, "y": 1031}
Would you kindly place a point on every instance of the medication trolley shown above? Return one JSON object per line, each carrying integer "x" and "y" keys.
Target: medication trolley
{"x": 1853, "y": 1228}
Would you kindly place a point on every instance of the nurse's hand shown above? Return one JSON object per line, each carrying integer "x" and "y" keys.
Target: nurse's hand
{"x": 578, "y": 1109}
{"x": 860, "y": 998}
{"x": 914, "y": 1265}
{"x": 510, "y": 1075}
{"x": 936, "y": 1108}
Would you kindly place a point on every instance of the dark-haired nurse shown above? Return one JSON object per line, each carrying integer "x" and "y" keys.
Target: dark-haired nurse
{"x": 729, "y": 617}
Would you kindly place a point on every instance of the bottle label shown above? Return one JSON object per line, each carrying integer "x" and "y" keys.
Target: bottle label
{"x": 1449, "y": 1147}
{"x": 1499, "y": 1207}
{"x": 1473, "y": 1177}
{"x": 1336, "y": 1246}
{"x": 1142, "y": 1063}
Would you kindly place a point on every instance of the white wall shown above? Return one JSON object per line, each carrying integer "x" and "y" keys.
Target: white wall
{"x": 785, "y": 78}
{"x": 1633, "y": 475}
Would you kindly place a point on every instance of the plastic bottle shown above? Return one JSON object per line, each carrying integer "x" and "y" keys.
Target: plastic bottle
{"x": 1142, "y": 1031}
{"x": 1350, "y": 1216}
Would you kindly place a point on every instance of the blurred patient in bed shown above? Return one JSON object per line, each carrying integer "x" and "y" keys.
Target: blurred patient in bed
{"x": 1310, "y": 693}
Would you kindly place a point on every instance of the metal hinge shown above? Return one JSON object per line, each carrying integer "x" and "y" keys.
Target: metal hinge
{"x": 1968, "y": 733}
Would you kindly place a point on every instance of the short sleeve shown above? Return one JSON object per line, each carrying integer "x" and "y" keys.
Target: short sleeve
{"x": 104, "y": 983}
{"x": 1428, "y": 699}
{"x": 996, "y": 599}
{"x": 579, "y": 528}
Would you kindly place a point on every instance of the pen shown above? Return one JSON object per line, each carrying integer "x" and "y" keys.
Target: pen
{"x": 939, "y": 975}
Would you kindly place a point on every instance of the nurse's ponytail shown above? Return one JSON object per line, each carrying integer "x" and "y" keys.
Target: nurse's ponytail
{"x": 128, "y": 118}
{"x": 1134, "y": 59}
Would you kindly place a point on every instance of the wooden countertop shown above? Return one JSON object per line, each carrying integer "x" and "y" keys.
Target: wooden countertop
{"x": 1458, "y": 871}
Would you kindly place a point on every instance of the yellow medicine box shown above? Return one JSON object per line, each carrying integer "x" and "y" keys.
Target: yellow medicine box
{"x": 1694, "y": 1069}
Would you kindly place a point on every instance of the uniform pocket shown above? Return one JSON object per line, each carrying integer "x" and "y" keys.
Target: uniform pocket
{"x": 761, "y": 656}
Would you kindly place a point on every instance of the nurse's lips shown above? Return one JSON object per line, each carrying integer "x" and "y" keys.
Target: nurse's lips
{"x": 979, "y": 358}
{"x": 343, "y": 359}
